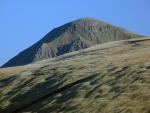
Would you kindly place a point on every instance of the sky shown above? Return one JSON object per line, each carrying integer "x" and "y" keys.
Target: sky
{"x": 24, "y": 22}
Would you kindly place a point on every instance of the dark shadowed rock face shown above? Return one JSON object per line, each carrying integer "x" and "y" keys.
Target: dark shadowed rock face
{"x": 70, "y": 37}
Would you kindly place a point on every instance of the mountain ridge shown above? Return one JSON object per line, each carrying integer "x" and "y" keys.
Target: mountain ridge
{"x": 73, "y": 36}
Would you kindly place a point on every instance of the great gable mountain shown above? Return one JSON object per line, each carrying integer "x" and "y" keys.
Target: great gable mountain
{"x": 70, "y": 37}
{"x": 111, "y": 77}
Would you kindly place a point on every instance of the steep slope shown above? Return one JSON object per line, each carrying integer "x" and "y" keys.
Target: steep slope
{"x": 107, "y": 78}
{"x": 70, "y": 37}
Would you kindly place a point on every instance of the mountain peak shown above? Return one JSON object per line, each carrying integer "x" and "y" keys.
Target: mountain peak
{"x": 87, "y": 19}
{"x": 73, "y": 36}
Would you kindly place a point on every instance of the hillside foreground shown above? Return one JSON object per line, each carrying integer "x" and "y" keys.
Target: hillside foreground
{"x": 107, "y": 78}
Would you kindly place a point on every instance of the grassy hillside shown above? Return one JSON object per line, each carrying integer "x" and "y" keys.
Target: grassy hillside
{"x": 107, "y": 78}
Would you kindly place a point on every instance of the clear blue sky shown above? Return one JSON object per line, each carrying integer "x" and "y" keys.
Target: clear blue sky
{"x": 23, "y": 22}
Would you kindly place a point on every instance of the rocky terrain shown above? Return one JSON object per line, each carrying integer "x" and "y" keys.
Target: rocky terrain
{"x": 109, "y": 78}
{"x": 70, "y": 37}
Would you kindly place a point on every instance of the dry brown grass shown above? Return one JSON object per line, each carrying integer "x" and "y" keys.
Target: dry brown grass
{"x": 108, "y": 78}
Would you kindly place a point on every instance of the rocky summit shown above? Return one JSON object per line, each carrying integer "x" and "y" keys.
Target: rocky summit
{"x": 70, "y": 37}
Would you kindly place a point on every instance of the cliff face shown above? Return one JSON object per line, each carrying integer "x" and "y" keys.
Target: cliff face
{"x": 70, "y": 37}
